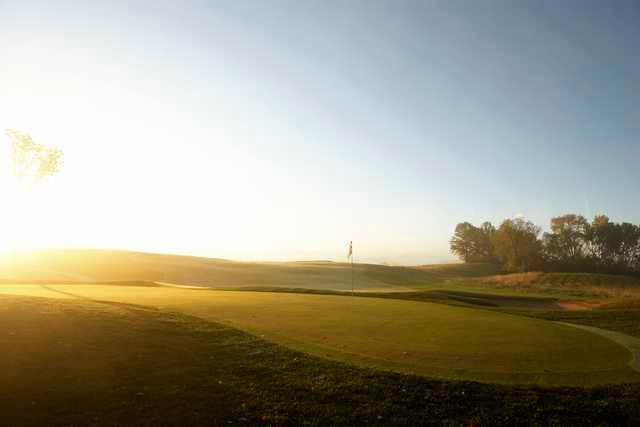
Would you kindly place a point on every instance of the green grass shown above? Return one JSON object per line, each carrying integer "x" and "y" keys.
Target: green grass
{"x": 619, "y": 320}
{"x": 416, "y": 337}
{"x": 446, "y": 295}
{"x": 75, "y": 362}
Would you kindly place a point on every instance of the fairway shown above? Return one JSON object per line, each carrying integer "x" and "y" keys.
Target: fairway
{"x": 412, "y": 337}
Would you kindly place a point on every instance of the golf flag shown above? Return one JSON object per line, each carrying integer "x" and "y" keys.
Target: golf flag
{"x": 351, "y": 258}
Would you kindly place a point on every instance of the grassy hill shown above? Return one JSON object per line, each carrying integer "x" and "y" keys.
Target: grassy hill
{"x": 126, "y": 267}
{"x": 467, "y": 283}
{"x": 109, "y": 266}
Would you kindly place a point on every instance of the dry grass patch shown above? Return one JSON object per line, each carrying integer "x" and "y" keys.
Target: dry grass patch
{"x": 574, "y": 284}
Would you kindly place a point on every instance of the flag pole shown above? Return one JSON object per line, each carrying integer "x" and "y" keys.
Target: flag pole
{"x": 351, "y": 252}
{"x": 351, "y": 275}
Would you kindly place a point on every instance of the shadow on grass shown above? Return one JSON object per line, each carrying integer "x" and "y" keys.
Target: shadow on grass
{"x": 100, "y": 367}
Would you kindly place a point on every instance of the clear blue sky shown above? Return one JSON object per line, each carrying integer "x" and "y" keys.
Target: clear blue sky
{"x": 283, "y": 129}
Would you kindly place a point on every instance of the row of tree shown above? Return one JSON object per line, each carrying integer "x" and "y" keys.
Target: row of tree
{"x": 573, "y": 244}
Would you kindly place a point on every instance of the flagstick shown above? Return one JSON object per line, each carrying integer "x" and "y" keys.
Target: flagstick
{"x": 351, "y": 274}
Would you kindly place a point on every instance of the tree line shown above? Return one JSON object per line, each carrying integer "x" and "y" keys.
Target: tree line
{"x": 573, "y": 244}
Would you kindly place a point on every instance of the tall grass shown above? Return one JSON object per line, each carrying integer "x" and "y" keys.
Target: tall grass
{"x": 579, "y": 284}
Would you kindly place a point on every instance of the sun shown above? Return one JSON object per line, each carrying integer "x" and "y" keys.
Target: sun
{"x": 20, "y": 216}
{"x": 15, "y": 232}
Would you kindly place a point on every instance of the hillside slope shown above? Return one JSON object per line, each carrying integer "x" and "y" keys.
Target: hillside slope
{"x": 101, "y": 265}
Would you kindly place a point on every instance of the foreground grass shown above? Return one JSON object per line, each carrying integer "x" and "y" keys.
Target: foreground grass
{"x": 70, "y": 362}
{"x": 423, "y": 338}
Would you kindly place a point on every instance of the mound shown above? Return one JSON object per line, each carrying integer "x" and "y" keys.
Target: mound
{"x": 62, "y": 266}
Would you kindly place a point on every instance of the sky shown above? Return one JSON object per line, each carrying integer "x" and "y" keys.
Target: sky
{"x": 281, "y": 130}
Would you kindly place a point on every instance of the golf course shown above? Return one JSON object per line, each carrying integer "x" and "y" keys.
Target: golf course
{"x": 173, "y": 319}
{"x": 422, "y": 338}
{"x": 303, "y": 213}
{"x": 455, "y": 321}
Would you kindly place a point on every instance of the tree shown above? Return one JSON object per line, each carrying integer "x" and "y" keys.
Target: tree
{"x": 517, "y": 246}
{"x": 629, "y": 250}
{"x": 462, "y": 242}
{"x": 566, "y": 243}
{"x": 606, "y": 242}
{"x": 485, "y": 247}
{"x": 596, "y": 238}
{"x": 31, "y": 162}
{"x": 572, "y": 244}
{"x": 473, "y": 244}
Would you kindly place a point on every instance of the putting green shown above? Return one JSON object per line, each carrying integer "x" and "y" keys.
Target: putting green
{"x": 413, "y": 337}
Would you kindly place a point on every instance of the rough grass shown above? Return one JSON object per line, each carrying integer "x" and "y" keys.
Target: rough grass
{"x": 575, "y": 284}
{"x": 461, "y": 270}
{"x": 82, "y": 363}
{"x": 407, "y": 336}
